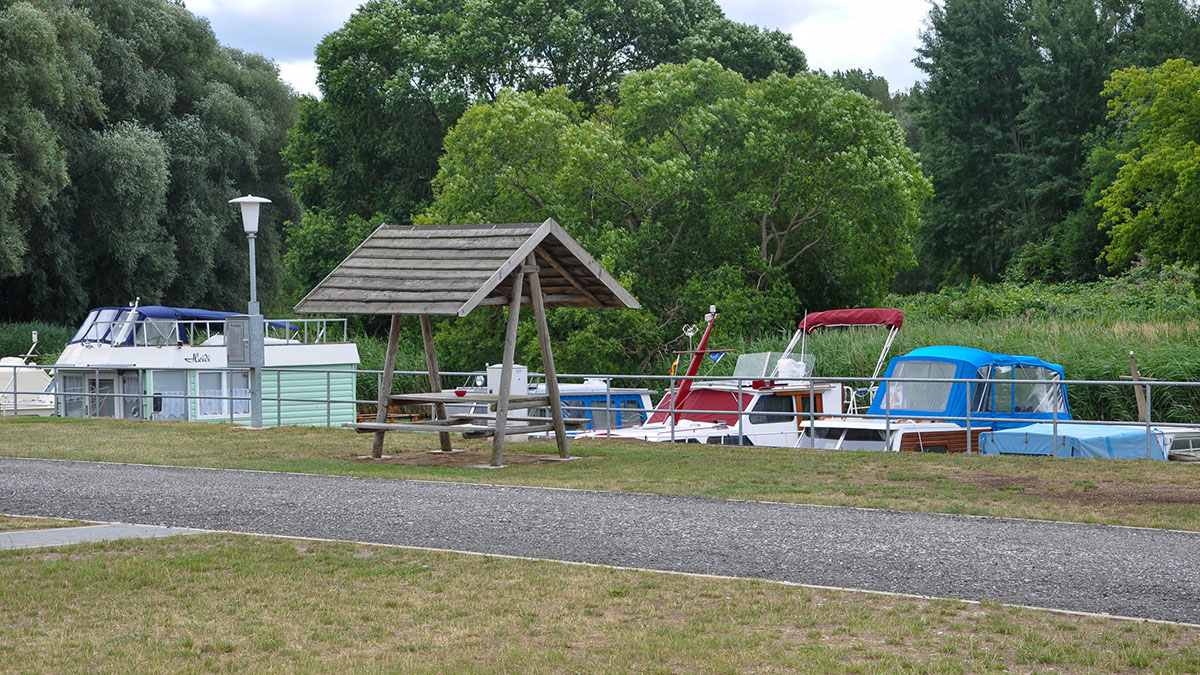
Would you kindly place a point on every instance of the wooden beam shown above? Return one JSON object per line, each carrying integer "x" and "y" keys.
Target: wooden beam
{"x": 385, "y": 385}
{"x": 435, "y": 378}
{"x": 510, "y": 353}
{"x": 567, "y": 275}
{"x": 543, "y": 332}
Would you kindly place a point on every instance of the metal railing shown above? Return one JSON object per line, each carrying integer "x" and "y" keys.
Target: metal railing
{"x": 90, "y": 396}
{"x": 126, "y": 332}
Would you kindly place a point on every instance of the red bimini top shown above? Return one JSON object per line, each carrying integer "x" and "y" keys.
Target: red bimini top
{"x": 892, "y": 318}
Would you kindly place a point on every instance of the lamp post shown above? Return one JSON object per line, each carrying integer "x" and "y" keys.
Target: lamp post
{"x": 250, "y": 205}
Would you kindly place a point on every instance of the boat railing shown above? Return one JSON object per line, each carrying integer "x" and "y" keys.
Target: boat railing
{"x": 88, "y": 397}
{"x": 155, "y": 332}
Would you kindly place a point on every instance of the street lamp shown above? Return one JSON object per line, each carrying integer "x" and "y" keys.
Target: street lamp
{"x": 250, "y": 205}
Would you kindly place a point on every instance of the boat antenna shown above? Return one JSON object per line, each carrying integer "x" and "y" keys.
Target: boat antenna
{"x": 689, "y": 329}
{"x": 29, "y": 354}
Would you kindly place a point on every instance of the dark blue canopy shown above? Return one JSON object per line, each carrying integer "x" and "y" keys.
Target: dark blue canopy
{"x": 1014, "y": 395}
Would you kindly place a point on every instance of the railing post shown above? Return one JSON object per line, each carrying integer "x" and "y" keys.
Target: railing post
{"x": 812, "y": 419}
{"x": 1149, "y": 432}
{"x": 969, "y": 399}
{"x": 1055, "y": 423}
{"x": 887, "y": 416}
{"x": 608, "y": 406}
{"x": 740, "y": 429}
{"x": 671, "y": 408}
{"x": 14, "y": 388}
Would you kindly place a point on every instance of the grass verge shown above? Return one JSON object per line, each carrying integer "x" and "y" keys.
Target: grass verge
{"x": 1138, "y": 493}
{"x": 237, "y": 603}
{"x": 9, "y": 523}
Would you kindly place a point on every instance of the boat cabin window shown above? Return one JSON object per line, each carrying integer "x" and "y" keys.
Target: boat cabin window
{"x": 981, "y": 393}
{"x": 72, "y": 386}
{"x": 924, "y": 396}
{"x": 169, "y": 391}
{"x": 220, "y": 390}
{"x": 1011, "y": 394}
{"x": 632, "y": 418}
{"x": 765, "y": 405}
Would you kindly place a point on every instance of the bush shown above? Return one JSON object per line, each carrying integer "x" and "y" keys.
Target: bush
{"x": 15, "y": 340}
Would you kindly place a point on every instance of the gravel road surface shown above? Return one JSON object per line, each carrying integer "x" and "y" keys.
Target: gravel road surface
{"x": 1126, "y": 571}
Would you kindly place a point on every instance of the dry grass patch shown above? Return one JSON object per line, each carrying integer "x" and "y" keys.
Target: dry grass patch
{"x": 1119, "y": 492}
{"x": 227, "y": 602}
{"x": 26, "y": 523}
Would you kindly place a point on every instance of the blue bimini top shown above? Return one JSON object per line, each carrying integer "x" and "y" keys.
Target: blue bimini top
{"x": 1024, "y": 390}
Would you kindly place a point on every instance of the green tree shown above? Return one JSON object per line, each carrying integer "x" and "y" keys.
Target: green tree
{"x": 1153, "y": 205}
{"x": 973, "y": 53}
{"x": 49, "y": 83}
{"x": 147, "y": 128}
{"x": 1009, "y": 117}
{"x": 697, "y": 187}
{"x": 398, "y": 75}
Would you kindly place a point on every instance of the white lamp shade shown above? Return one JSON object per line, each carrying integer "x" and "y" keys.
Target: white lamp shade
{"x": 249, "y": 205}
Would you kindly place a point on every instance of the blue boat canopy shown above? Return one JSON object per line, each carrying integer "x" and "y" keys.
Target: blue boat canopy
{"x": 1025, "y": 389}
{"x": 151, "y": 324}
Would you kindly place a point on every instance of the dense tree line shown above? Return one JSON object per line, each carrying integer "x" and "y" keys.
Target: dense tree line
{"x": 1018, "y": 136}
{"x": 124, "y": 129}
{"x": 696, "y": 186}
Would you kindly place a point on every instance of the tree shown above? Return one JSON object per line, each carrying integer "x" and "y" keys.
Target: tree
{"x": 49, "y": 81}
{"x": 145, "y": 128}
{"x": 1012, "y": 112}
{"x": 1153, "y": 205}
{"x": 398, "y": 75}
{"x": 697, "y": 187}
{"x": 973, "y": 53}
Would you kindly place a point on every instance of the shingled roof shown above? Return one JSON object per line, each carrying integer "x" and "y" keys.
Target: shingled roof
{"x": 452, "y": 269}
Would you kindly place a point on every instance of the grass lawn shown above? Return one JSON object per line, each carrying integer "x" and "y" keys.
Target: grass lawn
{"x": 236, "y": 603}
{"x": 1141, "y": 493}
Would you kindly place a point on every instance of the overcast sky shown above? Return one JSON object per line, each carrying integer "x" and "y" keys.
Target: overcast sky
{"x": 878, "y": 35}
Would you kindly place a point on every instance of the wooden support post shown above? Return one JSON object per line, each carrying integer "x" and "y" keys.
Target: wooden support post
{"x": 435, "y": 378}
{"x": 385, "y": 387}
{"x": 510, "y": 354}
{"x": 543, "y": 332}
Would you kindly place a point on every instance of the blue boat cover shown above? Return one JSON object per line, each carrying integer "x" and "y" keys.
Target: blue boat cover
{"x": 967, "y": 362}
{"x": 1113, "y": 441}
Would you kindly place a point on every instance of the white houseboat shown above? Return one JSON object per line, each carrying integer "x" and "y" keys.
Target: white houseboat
{"x": 169, "y": 363}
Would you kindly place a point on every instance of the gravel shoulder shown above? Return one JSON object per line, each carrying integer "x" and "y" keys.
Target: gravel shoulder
{"x": 1152, "y": 574}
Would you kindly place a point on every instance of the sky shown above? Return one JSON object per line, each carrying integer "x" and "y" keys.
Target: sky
{"x": 877, "y": 35}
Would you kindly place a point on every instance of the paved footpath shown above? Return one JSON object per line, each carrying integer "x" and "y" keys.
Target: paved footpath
{"x": 1125, "y": 571}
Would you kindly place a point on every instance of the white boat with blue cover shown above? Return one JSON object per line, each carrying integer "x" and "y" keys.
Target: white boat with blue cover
{"x": 169, "y": 363}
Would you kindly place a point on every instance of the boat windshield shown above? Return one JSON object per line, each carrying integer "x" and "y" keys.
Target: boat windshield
{"x": 98, "y": 325}
{"x": 923, "y": 396}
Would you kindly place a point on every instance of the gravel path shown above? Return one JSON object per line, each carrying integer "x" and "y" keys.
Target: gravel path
{"x": 1125, "y": 571}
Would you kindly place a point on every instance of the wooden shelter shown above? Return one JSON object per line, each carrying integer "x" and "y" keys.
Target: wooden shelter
{"x": 449, "y": 271}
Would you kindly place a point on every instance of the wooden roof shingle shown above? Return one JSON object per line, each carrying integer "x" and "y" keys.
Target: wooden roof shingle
{"x": 452, "y": 269}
